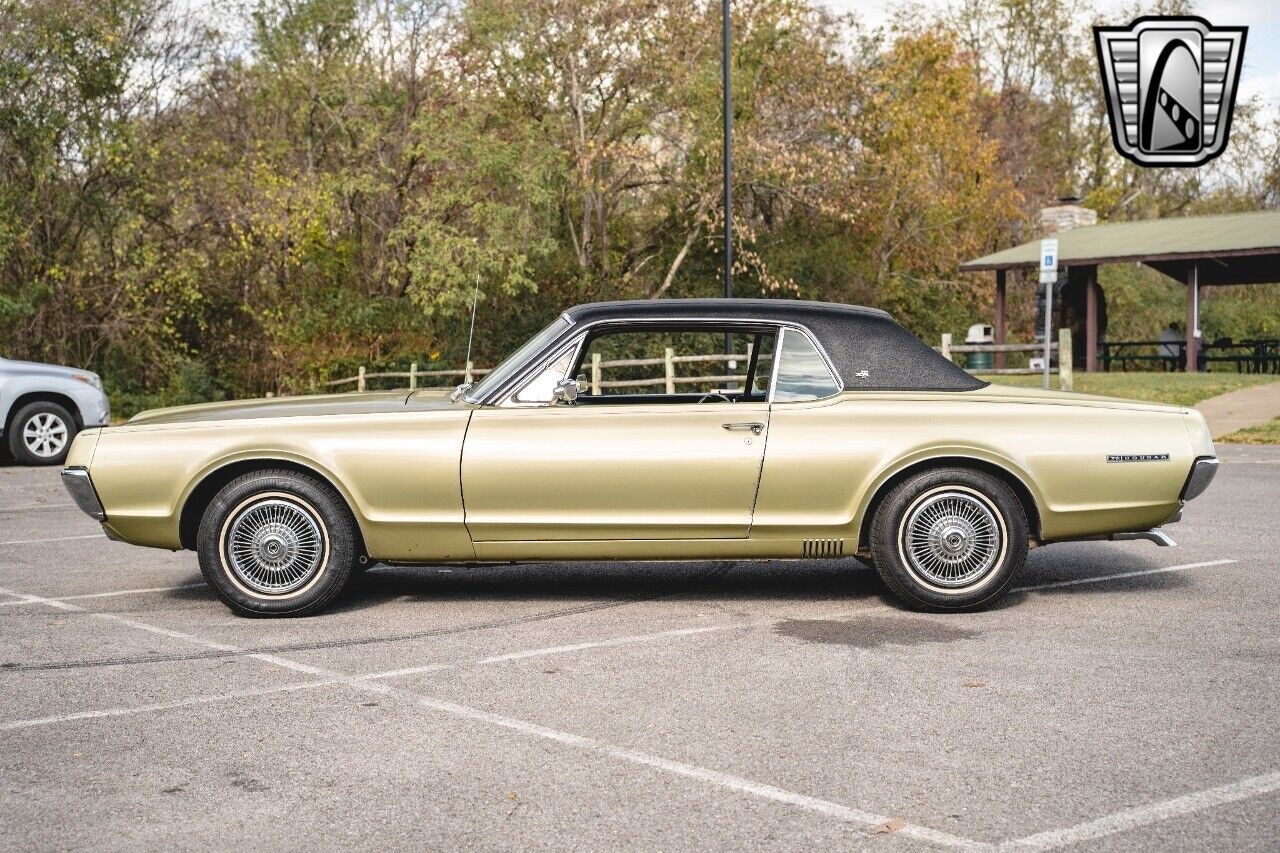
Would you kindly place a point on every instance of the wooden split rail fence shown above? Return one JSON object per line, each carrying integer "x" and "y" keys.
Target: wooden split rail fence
{"x": 1062, "y": 349}
{"x": 668, "y": 380}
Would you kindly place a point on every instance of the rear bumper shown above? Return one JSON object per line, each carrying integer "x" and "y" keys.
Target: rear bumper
{"x": 81, "y": 489}
{"x": 1202, "y": 473}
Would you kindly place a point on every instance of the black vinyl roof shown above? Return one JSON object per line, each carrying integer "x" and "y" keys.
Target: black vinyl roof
{"x": 775, "y": 310}
{"x": 868, "y": 349}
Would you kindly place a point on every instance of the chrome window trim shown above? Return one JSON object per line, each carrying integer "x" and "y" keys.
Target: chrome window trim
{"x": 773, "y": 369}
{"x": 506, "y": 392}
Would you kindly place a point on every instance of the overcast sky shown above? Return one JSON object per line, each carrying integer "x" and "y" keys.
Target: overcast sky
{"x": 1261, "y": 74}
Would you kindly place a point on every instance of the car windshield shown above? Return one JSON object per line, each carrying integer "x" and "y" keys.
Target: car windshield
{"x": 500, "y": 374}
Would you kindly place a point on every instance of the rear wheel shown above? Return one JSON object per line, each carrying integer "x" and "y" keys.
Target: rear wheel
{"x": 41, "y": 434}
{"x": 949, "y": 539}
{"x": 277, "y": 543}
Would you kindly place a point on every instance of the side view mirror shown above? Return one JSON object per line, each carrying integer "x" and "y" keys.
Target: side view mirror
{"x": 459, "y": 392}
{"x": 566, "y": 391}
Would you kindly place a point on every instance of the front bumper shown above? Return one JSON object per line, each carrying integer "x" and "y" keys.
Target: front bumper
{"x": 80, "y": 486}
{"x": 1202, "y": 473}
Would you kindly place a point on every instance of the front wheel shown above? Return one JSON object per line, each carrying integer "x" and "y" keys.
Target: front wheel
{"x": 41, "y": 434}
{"x": 949, "y": 539}
{"x": 277, "y": 543}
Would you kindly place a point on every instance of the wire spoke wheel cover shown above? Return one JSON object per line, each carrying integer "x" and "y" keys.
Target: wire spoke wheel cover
{"x": 952, "y": 537}
{"x": 274, "y": 544}
{"x": 45, "y": 435}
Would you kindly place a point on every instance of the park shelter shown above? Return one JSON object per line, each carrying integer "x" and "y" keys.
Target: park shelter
{"x": 1199, "y": 251}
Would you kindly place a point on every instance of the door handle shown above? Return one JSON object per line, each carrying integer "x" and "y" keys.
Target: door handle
{"x": 755, "y": 428}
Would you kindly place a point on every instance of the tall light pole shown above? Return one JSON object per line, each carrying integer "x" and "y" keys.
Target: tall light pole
{"x": 728, "y": 149}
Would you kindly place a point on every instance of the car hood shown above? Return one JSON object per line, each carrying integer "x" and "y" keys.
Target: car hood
{"x": 373, "y": 402}
{"x": 36, "y": 368}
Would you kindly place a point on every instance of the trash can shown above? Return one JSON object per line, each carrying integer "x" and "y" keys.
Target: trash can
{"x": 979, "y": 333}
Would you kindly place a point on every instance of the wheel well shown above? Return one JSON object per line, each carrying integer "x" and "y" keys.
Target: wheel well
{"x": 202, "y": 495}
{"x": 1004, "y": 475}
{"x": 43, "y": 397}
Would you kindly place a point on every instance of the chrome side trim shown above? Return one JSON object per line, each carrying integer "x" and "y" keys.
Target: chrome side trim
{"x": 1203, "y": 470}
{"x": 1155, "y": 535}
{"x": 83, "y": 493}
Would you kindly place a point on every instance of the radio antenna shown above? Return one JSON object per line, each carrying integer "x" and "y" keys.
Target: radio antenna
{"x": 475, "y": 297}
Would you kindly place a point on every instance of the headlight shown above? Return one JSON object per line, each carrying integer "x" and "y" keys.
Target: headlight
{"x": 90, "y": 379}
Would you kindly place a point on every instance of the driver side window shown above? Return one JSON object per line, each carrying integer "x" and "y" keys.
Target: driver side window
{"x": 673, "y": 365}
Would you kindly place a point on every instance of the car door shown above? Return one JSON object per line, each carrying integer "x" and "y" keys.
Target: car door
{"x": 651, "y": 450}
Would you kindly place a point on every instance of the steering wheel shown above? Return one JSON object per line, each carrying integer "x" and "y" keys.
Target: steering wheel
{"x": 711, "y": 394}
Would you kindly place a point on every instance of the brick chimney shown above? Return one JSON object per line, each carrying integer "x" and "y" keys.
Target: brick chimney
{"x": 1065, "y": 215}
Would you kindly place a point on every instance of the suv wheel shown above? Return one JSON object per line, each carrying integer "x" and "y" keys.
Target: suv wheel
{"x": 949, "y": 539}
{"x": 41, "y": 434}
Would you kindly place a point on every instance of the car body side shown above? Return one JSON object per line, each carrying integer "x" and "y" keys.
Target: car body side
{"x": 397, "y": 460}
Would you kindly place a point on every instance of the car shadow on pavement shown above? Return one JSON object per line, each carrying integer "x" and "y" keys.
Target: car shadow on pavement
{"x": 836, "y": 582}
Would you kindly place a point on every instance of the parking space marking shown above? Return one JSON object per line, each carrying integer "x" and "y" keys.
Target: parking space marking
{"x": 36, "y": 506}
{"x": 114, "y": 594}
{"x": 56, "y": 539}
{"x": 126, "y": 710}
{"x": 604, "y": 644}
{"x": 1139, "y": 573}
{"x": 714, "y": 777}
{"x": 1149, "y": 814}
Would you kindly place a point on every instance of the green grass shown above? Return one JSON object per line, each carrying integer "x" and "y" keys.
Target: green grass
{"x": 1268, "y": 433}
{"x": 1178, "y": 389}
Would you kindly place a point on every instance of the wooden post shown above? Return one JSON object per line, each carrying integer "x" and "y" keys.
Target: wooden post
{"x": 1091, "y": 321}
{"x": 1066, "y": 378}
{"x": 413, "y": 376}
{"x": 595, "y": 374}
{"x": 466, "y": 374}
{"x": 360, "y": 379}
{"x": 1000, "y": 316}
{"x": 671, "y": 369}
{"x": 1193, "y": 318}
{"x": 946, "y": 345}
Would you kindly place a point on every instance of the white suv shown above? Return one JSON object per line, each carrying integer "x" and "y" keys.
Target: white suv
{"x": 43, "y": 406}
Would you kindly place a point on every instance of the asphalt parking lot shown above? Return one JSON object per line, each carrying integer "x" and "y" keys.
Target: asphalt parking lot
{"x": 1124, "y": 698}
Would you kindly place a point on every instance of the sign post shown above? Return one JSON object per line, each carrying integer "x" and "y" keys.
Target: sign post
{"x": 1048, "y": 277}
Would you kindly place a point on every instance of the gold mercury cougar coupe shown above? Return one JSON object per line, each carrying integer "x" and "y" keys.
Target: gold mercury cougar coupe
{"x": 627, "y": 431}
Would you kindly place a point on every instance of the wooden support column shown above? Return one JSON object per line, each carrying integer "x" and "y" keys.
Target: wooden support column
{"x": 1000, "y": 316}
{"x": 1091, "y": 321}
{"x": 1193, "y": 318}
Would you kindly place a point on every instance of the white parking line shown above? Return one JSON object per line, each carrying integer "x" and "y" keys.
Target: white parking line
{"x": 604, "y": 644}
{"x": 56, "y": 539}
{"x": 35, "y": 506}
{"x": 118, "y": 592}
{"x": 1139, "y": 573}
{"x": 1148, "y": 814}
{"x": 124, "y": 711}
{"x": 714, "y": 777}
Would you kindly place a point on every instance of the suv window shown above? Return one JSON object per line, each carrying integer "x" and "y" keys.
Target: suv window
{"x": 802, "y": 372}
